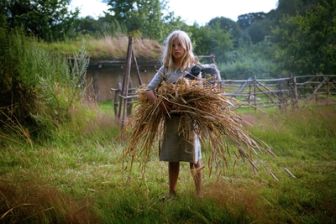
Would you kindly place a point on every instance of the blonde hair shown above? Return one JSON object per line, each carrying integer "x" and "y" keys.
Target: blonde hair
{"x": 188, "y": 58}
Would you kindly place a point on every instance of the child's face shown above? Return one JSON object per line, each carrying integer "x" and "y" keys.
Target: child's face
{"x": 178, "y": 50}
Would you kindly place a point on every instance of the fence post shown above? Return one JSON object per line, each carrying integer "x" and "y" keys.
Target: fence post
{"x": 137, "y": 68}
{"x": 294, "y": 95}
{"x": 255, "y": 92}
{"x": 249, "y": 91}
{"x": 328, "y": 90}
{"x": 122, "y": 112}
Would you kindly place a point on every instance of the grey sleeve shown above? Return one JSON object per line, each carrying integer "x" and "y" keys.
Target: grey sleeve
{"x": 157, "y": 79}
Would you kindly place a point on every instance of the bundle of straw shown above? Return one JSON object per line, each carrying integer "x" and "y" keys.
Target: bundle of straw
{"x": 209, "y": 111}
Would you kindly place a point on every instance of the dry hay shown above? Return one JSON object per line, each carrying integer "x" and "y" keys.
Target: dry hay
{"x": 206, "y": 108}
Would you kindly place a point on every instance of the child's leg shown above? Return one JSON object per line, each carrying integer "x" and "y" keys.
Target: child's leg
{"x": 173, "y": 170}
{"x": 196, "y": 172}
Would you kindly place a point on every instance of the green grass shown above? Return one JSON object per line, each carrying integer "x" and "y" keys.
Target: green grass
{"x": 82, "y": 164}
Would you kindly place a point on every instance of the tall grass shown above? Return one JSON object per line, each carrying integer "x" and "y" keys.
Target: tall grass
{"x": 304, "y": 141}
{"x": 83, "y": 163}
{"x": 39, "y": 87}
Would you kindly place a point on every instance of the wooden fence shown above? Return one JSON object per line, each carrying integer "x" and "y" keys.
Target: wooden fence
{"x": 253, "y": 92}
{"x": 281, "y": 92}
{"x": 261, "y": 93}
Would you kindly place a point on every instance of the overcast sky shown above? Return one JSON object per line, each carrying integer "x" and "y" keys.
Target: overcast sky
{"x": 200, "y": 11}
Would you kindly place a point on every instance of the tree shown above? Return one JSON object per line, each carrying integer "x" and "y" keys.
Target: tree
{"x": 248, "y": 19}
{"x": 258, "y": 30}
{"x": 211, "y": 40}
{"x": 46, "y": 19}
{"x": 289, "y": 7}
{"x": 138, "y": 15}
{"x": 306, "y": 41}
{"x": 98, "y": 27}
{"x": 229, "y": 26}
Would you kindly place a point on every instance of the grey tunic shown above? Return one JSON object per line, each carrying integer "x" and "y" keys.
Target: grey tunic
{"x": 174, "y": 146}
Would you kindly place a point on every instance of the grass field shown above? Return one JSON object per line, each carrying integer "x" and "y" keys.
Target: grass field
{"x": 77, "y": 176}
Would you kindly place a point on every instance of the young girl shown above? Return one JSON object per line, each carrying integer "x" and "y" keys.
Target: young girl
{"x": 178, "y": 59}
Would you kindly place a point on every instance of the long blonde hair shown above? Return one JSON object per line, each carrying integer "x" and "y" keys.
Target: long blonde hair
{"x": 188, "y": 58}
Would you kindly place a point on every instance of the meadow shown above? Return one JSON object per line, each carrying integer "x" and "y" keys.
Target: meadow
{"x": 78, "y": 175}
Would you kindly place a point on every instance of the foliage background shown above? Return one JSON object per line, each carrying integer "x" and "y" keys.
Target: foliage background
{"x": 296, "y": 37}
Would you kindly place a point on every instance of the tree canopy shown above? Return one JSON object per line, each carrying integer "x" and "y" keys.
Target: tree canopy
{"x": 299, "y": 35}
{"x": 143, "y": 16}
{"x": 306, "y": 40}
{"x": 46, "y": 19}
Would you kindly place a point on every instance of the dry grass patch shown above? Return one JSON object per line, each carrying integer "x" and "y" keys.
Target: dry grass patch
{"x": 116, "y": 47}
{"x": 238, "y": 199}
{"x": 32, "y": 202}
{"x": 108, "y": 47}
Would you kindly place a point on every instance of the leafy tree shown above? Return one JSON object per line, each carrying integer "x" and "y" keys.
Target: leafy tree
{"x": 255, "y": 26}
{"x": 259, "y": 30}
{"x": 229, "y": 26}
{"x": 46, "y": 19}
{"x": 211, "y": 40}
{"x": 295, "y": 7}
{"x": 98, "y": 27}
{"x": 248, "y": 19}
{"x": 289, "y": 7}
{"x": 306, "y": 41}
{"x": 87, "y": 25}
{"x": 138, "y": 15}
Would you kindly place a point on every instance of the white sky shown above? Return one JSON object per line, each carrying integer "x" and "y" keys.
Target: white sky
{"x": 92, "y": 8}
{"x": 200, "y": 11}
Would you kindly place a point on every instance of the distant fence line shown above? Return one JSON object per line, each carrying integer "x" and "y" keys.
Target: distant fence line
{"x": 261, "y": 93}
{"x": 281, "y": 92}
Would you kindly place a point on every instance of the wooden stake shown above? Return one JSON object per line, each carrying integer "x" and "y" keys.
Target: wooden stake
{"x": 255, "y": 92}
{"x": 122, "y": 112}
{"x": 137, "y": 68}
